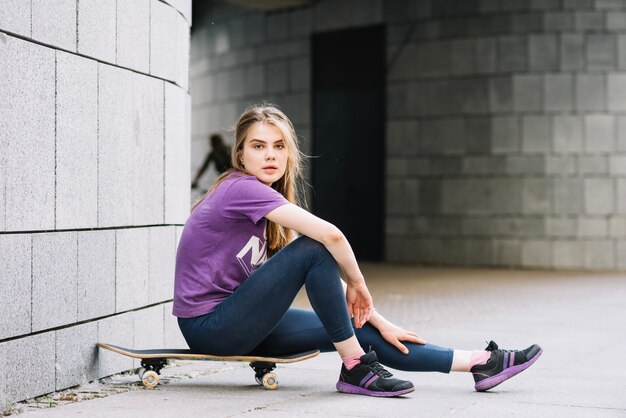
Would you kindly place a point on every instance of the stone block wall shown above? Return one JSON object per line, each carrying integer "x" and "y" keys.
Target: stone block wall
{"x": 511, "y": 116}
{"x": 94, "y": 185}
{"x": 506, "y": 131}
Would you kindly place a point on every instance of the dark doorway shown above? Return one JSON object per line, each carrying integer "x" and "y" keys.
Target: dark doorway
{"x": 349, "y": 135}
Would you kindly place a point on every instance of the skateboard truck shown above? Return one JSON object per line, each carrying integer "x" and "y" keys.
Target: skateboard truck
{"x": 155, "y": 364}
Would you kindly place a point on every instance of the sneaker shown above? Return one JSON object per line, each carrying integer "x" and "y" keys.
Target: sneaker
{"x": 503, "y": 365}
{"x": 371, "y": 379}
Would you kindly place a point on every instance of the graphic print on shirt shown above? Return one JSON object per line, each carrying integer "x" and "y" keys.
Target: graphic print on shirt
{"x": 258, "y": 254}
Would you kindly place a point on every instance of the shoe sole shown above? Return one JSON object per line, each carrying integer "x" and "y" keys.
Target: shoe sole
{"x": 493, "y": 381}
{"x": 357, "y": 390}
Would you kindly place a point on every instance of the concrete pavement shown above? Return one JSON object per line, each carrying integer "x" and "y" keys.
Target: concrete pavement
{"x": 578, "y": 318}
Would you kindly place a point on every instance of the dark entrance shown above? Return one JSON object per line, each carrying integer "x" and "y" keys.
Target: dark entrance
{"x": 349, "y": 135}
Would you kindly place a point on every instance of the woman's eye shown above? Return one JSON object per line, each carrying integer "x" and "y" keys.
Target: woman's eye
{"x": 280, "y": 146}
{"x": 258, "y": 146}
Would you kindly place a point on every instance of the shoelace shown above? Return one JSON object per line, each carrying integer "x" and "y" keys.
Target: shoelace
{"x": 492, "y": 346}
{"x": 379, "y": 370}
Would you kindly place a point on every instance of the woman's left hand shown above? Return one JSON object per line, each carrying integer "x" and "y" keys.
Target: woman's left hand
{"x": 393, "y": 334}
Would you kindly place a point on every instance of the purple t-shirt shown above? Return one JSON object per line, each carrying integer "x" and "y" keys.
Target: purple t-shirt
{"x": 222, "y": 243}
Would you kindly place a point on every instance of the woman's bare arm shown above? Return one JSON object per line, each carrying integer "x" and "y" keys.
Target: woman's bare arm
{"x": 305, "y": 223}
{"x": 293, "y": 217}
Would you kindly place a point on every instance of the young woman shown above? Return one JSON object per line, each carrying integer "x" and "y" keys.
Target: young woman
{"x": 240, "y": 265}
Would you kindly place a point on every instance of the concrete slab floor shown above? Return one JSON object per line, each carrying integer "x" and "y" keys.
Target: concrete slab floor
{"x": 578, "y": 318}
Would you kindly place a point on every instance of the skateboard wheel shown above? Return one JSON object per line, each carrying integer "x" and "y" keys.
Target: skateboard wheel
{"x": 270, "y": 381}
{"x": 140, "y": 372}
{"x": 150, "y": 379}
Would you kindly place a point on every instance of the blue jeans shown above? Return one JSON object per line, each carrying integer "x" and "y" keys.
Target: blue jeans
{"x": 257, "y": 318}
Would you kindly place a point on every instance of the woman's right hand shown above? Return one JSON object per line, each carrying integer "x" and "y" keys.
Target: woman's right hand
{"x": 360, "y": 304}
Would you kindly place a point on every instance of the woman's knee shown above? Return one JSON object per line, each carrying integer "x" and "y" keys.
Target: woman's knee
{"x": 315, "y": 249}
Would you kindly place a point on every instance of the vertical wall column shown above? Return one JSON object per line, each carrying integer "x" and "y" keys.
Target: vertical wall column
{"x": 94, "y": 184}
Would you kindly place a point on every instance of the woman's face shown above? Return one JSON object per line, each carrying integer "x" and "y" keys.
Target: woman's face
{"x": 264, "y": 153}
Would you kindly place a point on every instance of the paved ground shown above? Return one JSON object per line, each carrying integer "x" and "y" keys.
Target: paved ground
{"x": 579, "y": 319}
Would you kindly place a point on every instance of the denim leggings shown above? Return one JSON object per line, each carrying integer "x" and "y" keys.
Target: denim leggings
{"x": 257, "y": 318}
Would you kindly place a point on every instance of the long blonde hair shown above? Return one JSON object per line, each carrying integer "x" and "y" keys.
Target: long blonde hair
{"x": 288, "y": 185}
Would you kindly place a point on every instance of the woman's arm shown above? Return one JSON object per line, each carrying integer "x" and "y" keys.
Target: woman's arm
{"x": 305, "y": 223}
{"x": 293, "y": 217}
{"x": 201, "y": 171}
{"x": 393, "y": 334}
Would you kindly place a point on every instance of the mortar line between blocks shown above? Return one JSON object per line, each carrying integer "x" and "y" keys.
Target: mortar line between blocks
{"x": 77, "y": 8}
{"x": 32, "y": 281}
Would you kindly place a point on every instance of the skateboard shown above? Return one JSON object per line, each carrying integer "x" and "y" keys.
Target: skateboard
{"x": 152, "y": 361}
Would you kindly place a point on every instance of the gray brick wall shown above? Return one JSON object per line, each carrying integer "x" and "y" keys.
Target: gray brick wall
{"x": 555, "y": 97}
{"x": 94, "y": 175}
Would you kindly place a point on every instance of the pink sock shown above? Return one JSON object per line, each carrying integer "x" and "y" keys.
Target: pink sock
{"x": 478, "y": 357}
{"x": 352, "y": 360}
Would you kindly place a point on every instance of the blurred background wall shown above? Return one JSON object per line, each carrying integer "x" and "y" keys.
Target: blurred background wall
{"x": 94, "y": 184}
{"x": 504, "y": 132}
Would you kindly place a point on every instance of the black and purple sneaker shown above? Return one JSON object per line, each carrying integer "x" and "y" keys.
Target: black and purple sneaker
{"x": 503, "y": 365}
{"x": 371, "y": 379}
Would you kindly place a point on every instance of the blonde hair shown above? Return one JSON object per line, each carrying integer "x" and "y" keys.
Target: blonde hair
{"x": 288, "y": 185}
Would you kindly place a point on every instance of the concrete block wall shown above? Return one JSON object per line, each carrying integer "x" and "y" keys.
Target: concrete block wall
{"x": 513, "y": 119}
{"x": 94, "y": 185}
{"x": 505, "y": 120}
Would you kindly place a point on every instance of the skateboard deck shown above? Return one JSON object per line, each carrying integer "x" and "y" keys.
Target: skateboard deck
{"x": 153, "y": 360}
